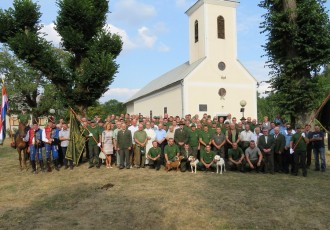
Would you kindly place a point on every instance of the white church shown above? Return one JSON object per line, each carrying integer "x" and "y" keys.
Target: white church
{"x": 213, "y": 81}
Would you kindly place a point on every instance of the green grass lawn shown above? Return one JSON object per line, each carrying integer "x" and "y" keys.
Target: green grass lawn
{"x": 149, "y": 199}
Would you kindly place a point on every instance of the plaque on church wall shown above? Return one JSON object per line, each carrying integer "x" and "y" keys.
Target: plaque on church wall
{"x": 202, "y": 108}
{"x": 222, "y": 66}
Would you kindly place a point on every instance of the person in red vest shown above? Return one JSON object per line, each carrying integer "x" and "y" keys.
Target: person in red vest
{"x": 34, "y": 139}
{"x": 50, "y": 139}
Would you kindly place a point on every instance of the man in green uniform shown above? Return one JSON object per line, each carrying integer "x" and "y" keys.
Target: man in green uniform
{"x": 181, "y": 136}
{"x": 171, "y": 151}
{"x": 140, "y": 139}
{"x": 205, "y": 138}
{"x": 298, "y": 146}
{"x": 94, "y": 145}
{"x": 154, "y": 156}
{"x": 193, "y": 140}
{"x": 207, "y": 159}
{"x": 236, "y": 158}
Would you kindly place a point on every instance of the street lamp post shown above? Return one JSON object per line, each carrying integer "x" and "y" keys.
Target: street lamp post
{"x": 243, "y": 104}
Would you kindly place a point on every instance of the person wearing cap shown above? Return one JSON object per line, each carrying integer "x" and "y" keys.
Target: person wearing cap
{"x": 288, "y": 159}
{"x": 193, "y": 140}
{"x": 181, "y": 136}
{"x": 298, "y": 145}
{"x": 94, "y": 144}
{"x": 266, "y": 145}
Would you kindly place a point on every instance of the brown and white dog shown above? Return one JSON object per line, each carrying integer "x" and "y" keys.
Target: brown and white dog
{"x": 220, "y": 163}
{"x": 174, "y": 165}
{"x": 193, "y": 163}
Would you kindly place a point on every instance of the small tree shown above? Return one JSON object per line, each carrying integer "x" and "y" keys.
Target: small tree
{"x": 297, "y": 47}
{"x": 88, "y": 71}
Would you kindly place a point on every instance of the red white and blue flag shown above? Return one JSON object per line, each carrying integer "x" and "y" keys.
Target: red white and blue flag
{"x": 4, "y": 108}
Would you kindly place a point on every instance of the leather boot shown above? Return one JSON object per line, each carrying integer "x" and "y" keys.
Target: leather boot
{"x": 55, "y": 162}
{"x": 41, "y": 163}
{"x": 34, "y": 167}
{"x": 49, "y": 168}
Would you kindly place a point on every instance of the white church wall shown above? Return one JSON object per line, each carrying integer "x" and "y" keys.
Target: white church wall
{"x": 169, "y": 98}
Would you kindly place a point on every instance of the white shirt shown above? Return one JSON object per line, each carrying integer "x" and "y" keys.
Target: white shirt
{"x": 133, "y": 129}
{"x": 246, "y": 135}
{"x": 255, "y": 137}
{"x": 65, "y": 134}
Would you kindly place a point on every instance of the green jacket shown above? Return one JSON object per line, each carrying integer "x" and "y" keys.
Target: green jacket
{"x": 124, "y": 139}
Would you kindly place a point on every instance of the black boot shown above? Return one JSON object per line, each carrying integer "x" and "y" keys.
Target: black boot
{"x": 41, "y": 163}
{"x": 49, "y": 168}
{"x": 34, "y": 167}
{"x": 55, "y": 162}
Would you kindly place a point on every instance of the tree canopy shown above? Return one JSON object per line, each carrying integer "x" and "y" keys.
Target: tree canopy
{"x": 88, "y": 67}
{"x": 298, "y": 41}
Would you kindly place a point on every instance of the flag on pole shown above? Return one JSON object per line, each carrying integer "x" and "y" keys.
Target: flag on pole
{"x": 4, "y": 108}
{"x": 77, "y": 140}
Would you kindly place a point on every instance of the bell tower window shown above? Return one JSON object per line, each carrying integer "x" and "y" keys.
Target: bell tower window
{"x": 196, "y": 31}
{"x": 221, "y": 27}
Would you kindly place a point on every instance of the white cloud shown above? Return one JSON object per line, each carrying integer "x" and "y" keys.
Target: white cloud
{"x": 163, "y": 48}
{"x": 147, "y": 38}
{"x": 120, "y": 94}
{"x": 128, "y": 43}
{"x": 133, "y": 12}
{"x": 51, "y": 34}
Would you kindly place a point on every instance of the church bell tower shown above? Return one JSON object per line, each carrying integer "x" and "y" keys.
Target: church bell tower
{"x": 212, "y": 30}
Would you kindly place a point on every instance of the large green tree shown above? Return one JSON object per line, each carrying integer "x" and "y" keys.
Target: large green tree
{"x": 298, "y": 45}
{"x": 92, "y": 49}
{"x": 27, "y": 87}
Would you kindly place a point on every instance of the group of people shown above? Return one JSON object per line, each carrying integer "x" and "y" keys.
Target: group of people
{"x": 135, "y": 141}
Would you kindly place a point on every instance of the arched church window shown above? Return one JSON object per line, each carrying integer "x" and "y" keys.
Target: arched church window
{"x": 196, "y": 31}
{"x": 221, "y": 27}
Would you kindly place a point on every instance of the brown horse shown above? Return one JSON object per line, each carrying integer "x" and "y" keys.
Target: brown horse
{"x": 21, "y": 146}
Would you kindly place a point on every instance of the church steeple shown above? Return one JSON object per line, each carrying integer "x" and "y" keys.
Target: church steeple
{"x": 212, "y": 30}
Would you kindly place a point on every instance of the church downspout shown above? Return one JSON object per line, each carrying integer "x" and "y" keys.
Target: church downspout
{"x": 182, "y": 97}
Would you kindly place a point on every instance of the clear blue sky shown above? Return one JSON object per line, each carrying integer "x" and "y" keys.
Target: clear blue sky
{"x": 155, "y": 33}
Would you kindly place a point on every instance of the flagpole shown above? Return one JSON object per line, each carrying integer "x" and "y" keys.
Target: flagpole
{"x": 317, "y": 112}
{"x": 87, "y": 129}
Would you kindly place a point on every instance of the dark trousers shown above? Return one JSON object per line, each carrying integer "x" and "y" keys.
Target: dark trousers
{"x": 269, "y": 162}
{"x": 278, "y": 162}
{"x": 124, "y": 157}
{"x": 300, "y": 161}
{"x": 232, "y": 166}
{"x": 309, "y": 155}
{"x": 162, "y": 155}
{"x": 64, "y": 149}
{"x": 61, "y": 155}
{"x": 184, "y": 164}
{"x": 255, "y": 165}
{"x": 155, "y": 163}
{"x": 94, "y": 152}
{"x": 288, "y": 160}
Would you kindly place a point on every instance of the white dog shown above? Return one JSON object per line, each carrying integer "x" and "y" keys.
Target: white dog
{"x": 220, "y": 164}
{"x": 193, "y": 163}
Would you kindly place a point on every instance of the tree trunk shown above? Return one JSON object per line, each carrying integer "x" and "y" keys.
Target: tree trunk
{"x": 82, "y": 110}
